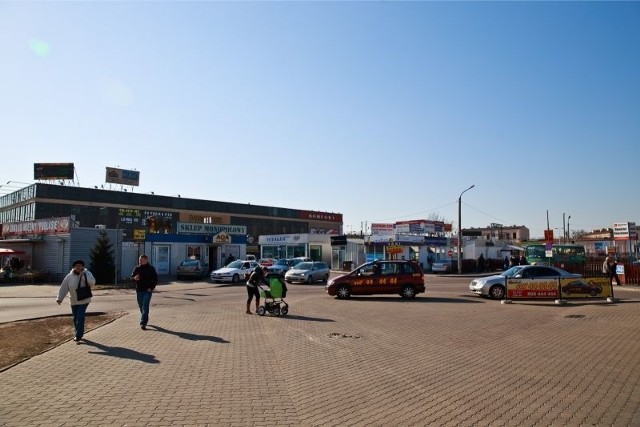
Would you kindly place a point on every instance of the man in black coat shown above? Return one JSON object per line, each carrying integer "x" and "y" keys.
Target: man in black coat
{"x": 146, "y": 280}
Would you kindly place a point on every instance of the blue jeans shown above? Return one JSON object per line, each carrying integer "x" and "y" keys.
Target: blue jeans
{"x": 144, "y": 301}
{"x": 79, "y": 311}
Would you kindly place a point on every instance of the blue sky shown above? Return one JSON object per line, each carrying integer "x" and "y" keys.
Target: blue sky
{"x": 382, "y": 111}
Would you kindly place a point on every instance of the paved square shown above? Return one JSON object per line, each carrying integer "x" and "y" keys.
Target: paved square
{"x": 445, "y": 358}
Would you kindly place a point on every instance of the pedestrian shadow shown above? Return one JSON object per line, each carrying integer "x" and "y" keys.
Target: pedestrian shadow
{"x": 307, "y": 318}
{"x": 169, "y": 297}
{"x": 189, "y": 336}
{"x": 121, "y": 352}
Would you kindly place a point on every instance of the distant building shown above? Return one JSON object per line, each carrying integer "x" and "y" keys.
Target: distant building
{"x": 168, "y": 228}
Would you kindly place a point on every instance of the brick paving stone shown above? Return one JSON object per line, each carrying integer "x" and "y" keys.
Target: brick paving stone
{"x": 362, "y": 362}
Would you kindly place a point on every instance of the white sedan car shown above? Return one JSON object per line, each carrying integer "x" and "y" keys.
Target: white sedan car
{"x": 234, "y": 272}
{"x": 442, "y": 266}
{"x": 493, "y": 286}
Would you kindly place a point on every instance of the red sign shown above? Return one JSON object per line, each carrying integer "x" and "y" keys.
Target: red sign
{"x": 321, "y": 216}
{"x": 548, "y": 236}
{"x": 450, "y": 253}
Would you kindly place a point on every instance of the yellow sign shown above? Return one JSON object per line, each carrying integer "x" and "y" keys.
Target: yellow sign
{"x": 395, "y": 249}
{"x": 590, "y": 287}
{"x": 138, "y": 234}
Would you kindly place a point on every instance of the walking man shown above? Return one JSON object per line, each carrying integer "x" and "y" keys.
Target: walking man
{"x": 610, "y": 264}
{"x": 146, "y": 280}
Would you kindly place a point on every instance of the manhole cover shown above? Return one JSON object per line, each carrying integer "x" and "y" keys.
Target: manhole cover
{"x": 574, "y": 316}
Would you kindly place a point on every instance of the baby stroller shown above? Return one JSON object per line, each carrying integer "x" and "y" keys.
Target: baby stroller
{"x": 272, "y": 298}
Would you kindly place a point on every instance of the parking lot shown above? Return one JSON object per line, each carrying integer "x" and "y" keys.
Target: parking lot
{"x": 446, "y": 358}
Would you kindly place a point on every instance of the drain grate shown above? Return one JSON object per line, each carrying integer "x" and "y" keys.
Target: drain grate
{"x": 574, "y": 316}
{"x": 339, "y": 335}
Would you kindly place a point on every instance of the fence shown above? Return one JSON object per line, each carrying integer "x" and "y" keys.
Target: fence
{"x": 593, "y": 268}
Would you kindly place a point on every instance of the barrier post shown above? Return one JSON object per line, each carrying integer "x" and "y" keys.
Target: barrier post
{"x": 611, "y": 298}
{"x": 559, "y": 300}
{"x": 504, "y": 297}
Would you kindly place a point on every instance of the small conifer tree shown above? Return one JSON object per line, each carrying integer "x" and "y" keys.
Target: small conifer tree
{"x": 103, "y": 266}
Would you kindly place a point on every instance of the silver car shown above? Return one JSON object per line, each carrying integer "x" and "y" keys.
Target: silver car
{"x": 493, "y": 286}
{"x": 280, "y": 267}
{"x": 308, "y": 272}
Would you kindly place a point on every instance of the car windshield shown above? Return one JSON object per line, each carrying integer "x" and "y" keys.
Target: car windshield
{"x": 281, "y": 262}
{"x": 512, "y": 271}
{"x": 304, "y": 266}
{"x": 235, "y": 264}
{"x": 190, "y": 263}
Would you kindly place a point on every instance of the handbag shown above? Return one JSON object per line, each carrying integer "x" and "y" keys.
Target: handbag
{"x": 83, "y": 292}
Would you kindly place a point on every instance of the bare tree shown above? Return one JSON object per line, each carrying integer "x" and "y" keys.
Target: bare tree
{"x": 435, "y": 216}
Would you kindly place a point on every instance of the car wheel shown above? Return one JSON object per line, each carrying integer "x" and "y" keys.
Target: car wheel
{"x": 235, "y": 278}
{"x": 325, "y": 279}
{"x": 310, "y": 279}
{"x": 594, "y": 292}
{"x": 343, "y": 292}
{"x": 408, "y": 292}
{"x": 496, "y": 292}
{"x": 284, "y": 310}
{"x": 260, "y": 311}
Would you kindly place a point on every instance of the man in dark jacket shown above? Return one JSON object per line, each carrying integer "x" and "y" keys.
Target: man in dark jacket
{"x": 146, "y": 280}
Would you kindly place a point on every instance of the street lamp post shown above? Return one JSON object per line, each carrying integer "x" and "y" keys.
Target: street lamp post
{"x": 460, "y": 229}
{"x": 115, "y": 278}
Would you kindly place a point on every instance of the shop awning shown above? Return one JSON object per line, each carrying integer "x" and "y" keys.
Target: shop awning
{"x": 513, "y": 248}
{"x": 7, "y": 251}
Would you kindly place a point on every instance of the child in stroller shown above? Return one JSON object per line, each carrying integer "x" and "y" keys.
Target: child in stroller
{"x": 273, "y": 298}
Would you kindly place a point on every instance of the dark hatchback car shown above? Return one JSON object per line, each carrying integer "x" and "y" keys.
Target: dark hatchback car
{"x": 404, "y": 278}
{"x": 193, "y": 269}
{"x": 581, "y": 287}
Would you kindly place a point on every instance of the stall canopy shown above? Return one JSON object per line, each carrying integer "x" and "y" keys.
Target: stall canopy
{"x": 6, "y": 251}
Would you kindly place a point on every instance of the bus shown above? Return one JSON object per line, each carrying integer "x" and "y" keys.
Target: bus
{"x": 562, "y": 253}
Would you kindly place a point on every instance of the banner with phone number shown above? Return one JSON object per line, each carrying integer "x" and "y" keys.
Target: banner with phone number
{"x": 591, "y": 287}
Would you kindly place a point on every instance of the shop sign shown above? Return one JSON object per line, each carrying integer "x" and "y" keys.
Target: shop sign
{"x": 222, "y": 238}
{"x": 395, "y": 249}
{"x": 37, "y": 227}
{"x": 624, "y": 231}
{"x": 196, "y": 228}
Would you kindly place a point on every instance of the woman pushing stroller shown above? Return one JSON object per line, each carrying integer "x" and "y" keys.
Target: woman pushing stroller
{"x": 259, "y": 275}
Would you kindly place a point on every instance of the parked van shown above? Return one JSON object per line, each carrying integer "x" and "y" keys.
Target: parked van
{"x": 404, "y": 278}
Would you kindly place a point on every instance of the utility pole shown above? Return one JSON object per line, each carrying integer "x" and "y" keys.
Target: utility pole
{"x": 460, "y": 229}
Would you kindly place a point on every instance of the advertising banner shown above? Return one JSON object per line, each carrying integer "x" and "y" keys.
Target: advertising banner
{"x": 532, "y": 288}
{"x": 37, "y": 227}
{"x": 382, "y": 233}
{"x": 50, "y": 171}
{"x": 591, "y": 287}
{"x": 123, "y": 176}
{"x": 624, "y": 231}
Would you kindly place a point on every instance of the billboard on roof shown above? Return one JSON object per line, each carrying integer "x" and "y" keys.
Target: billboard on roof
{"x": 123, "y": 176}
{"x": 53, "y": 171}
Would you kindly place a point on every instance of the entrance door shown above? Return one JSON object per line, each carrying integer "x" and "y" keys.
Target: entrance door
{"x": 161, "y": 259}
{"x": 213, "y": 258}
